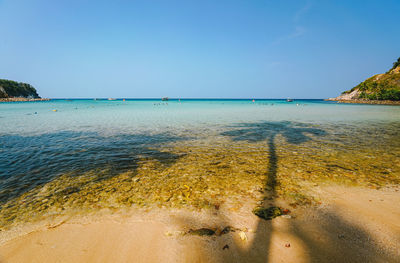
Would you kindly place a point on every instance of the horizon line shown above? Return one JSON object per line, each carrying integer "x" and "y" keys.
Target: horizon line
{"x": 173, "y": 98}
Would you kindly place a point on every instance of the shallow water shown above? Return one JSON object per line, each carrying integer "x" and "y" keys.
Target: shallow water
{"x": 65, "y": 155}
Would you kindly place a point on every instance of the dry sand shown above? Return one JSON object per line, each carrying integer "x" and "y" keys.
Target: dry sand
{"x": 350, "y": 225}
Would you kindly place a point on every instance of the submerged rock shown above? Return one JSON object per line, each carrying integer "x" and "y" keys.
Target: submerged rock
{"x": 268, "y": 213}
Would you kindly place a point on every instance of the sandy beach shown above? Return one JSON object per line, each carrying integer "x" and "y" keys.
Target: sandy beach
{"x": 156, "y": 184}
{"x": 350, "y": 225}
{"x": 199, "y": 131}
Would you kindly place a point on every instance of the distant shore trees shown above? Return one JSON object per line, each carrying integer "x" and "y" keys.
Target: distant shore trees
{"x": 12, "y": 89}
{"x": 382, "y": 86}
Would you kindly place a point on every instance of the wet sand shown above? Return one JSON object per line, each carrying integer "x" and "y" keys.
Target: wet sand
{"x": 350, "y": 225}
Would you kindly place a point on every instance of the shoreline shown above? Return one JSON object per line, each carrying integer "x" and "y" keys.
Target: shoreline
{"x": 22, "y": 99}
{"x": 374, "y": 102}
{"x": 353, "y": 224}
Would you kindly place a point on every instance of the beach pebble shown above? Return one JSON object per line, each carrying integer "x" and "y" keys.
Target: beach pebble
{"x": 242, "y": 236}
{"x": 285, "y": 211}
{"x": 287, "y": 245}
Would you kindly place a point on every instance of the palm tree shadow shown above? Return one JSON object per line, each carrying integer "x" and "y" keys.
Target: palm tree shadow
{"x": 294, "y": 133}
{"x": 27, "y": 162}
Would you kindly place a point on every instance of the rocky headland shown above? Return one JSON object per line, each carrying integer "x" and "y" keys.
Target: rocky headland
{"x": 379, "y": 89}
{"x": 17, "y": 91}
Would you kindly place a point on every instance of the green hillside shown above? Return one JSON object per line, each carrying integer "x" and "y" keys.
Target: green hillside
{"x": 380, "y": 87}
{"x": 13, "y": 89}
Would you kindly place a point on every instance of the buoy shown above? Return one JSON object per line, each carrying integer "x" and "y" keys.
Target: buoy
{"x": 123, "y": 100}
{"x": 253, "y": 100}
{"x": 54, "y": 110}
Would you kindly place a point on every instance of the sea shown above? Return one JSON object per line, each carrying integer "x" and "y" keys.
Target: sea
{"x": 85, "y": 155}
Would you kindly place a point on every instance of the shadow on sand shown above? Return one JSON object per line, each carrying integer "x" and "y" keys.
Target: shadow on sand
{"x": 294, "y": 133}
{"x": 340, "y": 241}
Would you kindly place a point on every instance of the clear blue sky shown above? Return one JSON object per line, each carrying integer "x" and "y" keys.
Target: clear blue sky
{"x": 197, "y": 49}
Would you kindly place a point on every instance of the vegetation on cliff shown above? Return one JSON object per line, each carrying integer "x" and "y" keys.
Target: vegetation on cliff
{"x": 13, "y": 89}
{"x": 381, "y": 86}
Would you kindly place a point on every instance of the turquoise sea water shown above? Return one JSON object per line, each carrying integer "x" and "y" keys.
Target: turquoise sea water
{"x": 41, "y": 141}
{"x": 133, "y": 116}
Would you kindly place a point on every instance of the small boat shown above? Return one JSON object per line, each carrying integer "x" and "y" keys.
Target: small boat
{"x": 164, "y": 98}
{"x": 289, "y": 100}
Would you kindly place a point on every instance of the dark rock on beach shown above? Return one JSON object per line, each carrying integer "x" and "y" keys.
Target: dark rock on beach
{"x": 202, "y": 232}
{"x": 268, "y": 213}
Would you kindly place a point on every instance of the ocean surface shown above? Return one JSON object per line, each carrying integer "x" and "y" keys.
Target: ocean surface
{"x": 62, "y": 155}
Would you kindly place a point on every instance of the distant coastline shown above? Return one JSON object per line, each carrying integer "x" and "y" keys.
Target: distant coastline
{"x": 22, "y": 99}
{"x": 365, "y": 101}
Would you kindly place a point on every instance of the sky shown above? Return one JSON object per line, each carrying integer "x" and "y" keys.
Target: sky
{"x": 197, "y": 49}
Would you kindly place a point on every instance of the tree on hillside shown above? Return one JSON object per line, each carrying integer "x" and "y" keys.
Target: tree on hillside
{"x": 396, "y": 63}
